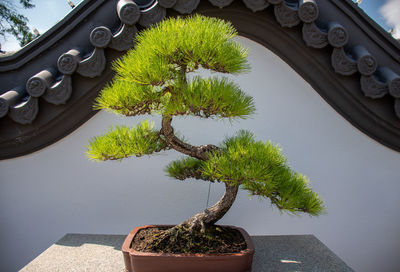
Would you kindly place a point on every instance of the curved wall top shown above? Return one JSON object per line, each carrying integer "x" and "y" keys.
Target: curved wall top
{"x": 47, "y": 88}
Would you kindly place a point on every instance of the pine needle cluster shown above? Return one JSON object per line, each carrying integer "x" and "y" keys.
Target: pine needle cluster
{"x": 210, "y": 97}
{"x": 122, "y": 142}
{"x": 191, "y": 43}
{"x": 258, "y": 167}
{"x": 129, "y": 99}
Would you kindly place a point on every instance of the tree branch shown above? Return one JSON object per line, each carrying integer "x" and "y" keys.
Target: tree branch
{"x": 198, "y": 152}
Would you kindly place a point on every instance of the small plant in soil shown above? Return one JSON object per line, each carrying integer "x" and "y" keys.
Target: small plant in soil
{"x": 153, "y": 79}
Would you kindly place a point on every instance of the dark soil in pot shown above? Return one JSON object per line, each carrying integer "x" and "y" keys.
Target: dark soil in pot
{"x": 215, "y": 240}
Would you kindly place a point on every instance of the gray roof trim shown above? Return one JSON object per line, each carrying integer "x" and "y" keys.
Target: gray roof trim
{"x": 339, "y": 50}
{"x": 47, "y": 39}
{"x": 370, "y": 27}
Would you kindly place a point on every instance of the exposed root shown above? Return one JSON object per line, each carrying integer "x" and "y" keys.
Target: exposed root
{"x": 184, "y": 230}
{"x": 197, "y": 224}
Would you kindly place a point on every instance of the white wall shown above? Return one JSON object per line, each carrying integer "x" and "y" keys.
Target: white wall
{"x": 57, "y": 190}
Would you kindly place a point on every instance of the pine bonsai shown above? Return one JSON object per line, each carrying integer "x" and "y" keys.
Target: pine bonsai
{"x": 152, "y": 79}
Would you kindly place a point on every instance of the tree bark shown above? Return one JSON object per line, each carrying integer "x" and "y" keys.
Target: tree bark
{"x": 198, "y": 152}
{"x": 214, "y": 213}
{"x": 211, "y": 215}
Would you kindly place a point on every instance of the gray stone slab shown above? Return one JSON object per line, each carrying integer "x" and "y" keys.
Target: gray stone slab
{"x": 81, "y": 252}
{"x": 295, "y": 253}
{"x": 91, "y": 252}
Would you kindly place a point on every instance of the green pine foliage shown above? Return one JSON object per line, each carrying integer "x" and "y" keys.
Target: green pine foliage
{"x": 152, "y": 77}
{"x": 210, "y": 97}
{"x": 122, "y": 142}
{"x": 259, "y": 168}
{"x": 129, "y": 99}
{"x": 187, "y": 167}
{"x": 162, "y": 51}
{"x": 200, "y": 97}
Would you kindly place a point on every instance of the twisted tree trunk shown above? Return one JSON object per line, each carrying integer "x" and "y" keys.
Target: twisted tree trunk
{"x": 214, "y": 213}
{"x": 211, "y": 215}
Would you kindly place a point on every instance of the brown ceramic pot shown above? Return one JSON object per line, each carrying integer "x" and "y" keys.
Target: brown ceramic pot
{"x": 136, "y": 261}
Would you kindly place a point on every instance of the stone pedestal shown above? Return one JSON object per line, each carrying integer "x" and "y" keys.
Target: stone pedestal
{"x": 91, "y": 252}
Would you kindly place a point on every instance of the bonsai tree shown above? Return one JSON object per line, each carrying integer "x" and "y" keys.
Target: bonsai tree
{"x": 153, "y": 79}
